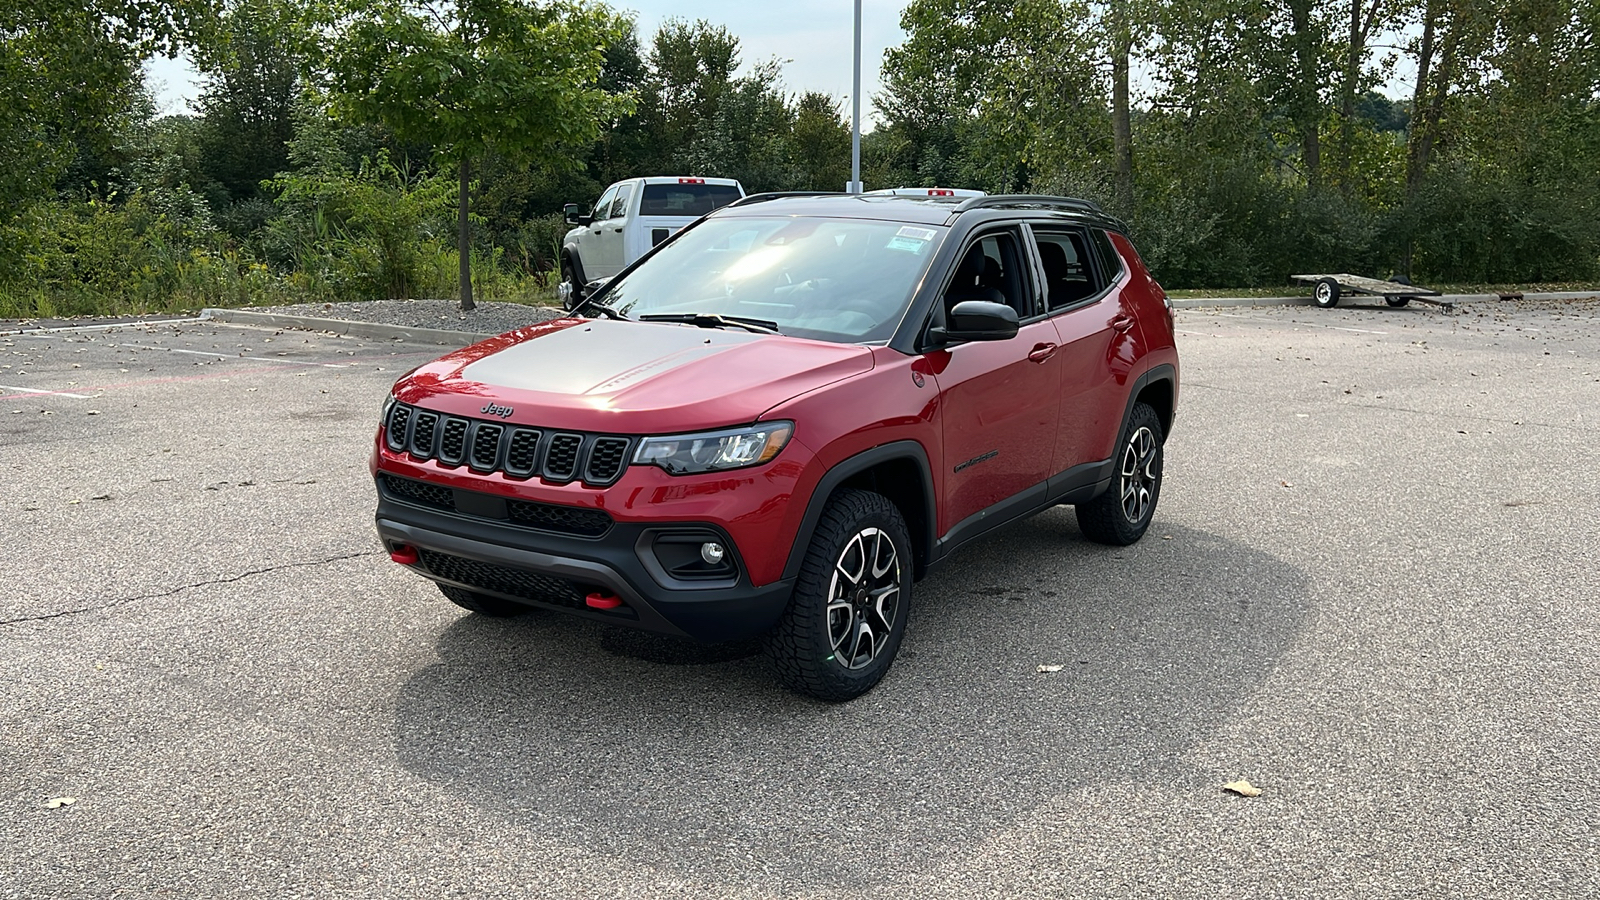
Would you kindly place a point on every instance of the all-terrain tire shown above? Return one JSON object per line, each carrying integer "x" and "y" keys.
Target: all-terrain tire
{"x": 1122, "y": 514}
{"x": 482, "y": 604}
{"x": 847, "y": 616}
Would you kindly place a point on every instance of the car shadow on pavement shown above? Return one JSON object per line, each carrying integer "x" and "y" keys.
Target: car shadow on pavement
{"x": 692, "y": 758}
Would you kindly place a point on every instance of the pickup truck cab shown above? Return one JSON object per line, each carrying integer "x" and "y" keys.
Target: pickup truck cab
{"x": 629, "y": 218}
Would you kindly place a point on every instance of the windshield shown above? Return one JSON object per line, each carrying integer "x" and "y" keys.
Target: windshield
{"x": 844, "y": 280}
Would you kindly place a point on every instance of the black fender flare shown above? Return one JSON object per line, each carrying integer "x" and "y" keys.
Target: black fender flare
{"x": 855, "y": 465}
{"x": 1163, "y": 372}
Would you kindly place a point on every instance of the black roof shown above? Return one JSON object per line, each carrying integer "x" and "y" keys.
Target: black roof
{"x": 922, "y": 210}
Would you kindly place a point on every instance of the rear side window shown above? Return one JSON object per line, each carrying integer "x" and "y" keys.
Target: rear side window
{"x": 619, "y": 206}
{"x": 1110, "y": 259}
{"x": 685, "y": 199}
{"x": 1068, "y": 277}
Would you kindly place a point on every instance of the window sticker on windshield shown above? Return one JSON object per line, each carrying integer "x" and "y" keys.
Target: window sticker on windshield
{"x": 906, "y": 244}
{"x": 917, "y": 234}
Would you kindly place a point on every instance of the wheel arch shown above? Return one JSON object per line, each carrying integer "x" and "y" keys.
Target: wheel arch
{"x": 1157, "y": 387}
{"x": 900, "y": 472}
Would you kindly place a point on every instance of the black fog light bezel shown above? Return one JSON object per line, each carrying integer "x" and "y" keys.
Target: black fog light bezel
{"x": 672, "y": 556}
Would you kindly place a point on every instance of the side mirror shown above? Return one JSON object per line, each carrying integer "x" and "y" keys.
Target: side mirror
{"x": 575, "y": 214}
{"x": 977, "y": 320}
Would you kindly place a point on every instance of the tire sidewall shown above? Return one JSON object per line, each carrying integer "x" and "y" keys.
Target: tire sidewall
{"x": 809, "y": 632}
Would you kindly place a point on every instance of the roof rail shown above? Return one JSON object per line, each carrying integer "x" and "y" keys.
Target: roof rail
{"x": 777, "y": 195}
{"x": 1040, "y": 200}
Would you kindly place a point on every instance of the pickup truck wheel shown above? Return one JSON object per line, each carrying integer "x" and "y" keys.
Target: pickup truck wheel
{"x": 571, "y": 290}
{"x": 848, "y": 614}
{"x": 1121, "y": 515}
{"x": 482, "y": 604}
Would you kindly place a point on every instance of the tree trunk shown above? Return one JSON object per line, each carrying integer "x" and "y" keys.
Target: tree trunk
{"x": 1121, "y": 122}
{"x": 1306, "y": 114}
{"x": 1416, "y": 153}
{"x": 464, "y": 236}
{"x": 1347, "y": 91}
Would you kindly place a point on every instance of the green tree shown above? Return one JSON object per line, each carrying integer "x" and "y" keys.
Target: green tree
{"x": 473, "y": 76}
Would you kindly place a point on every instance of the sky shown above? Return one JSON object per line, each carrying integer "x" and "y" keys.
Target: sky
{"x": 813, "y": 37}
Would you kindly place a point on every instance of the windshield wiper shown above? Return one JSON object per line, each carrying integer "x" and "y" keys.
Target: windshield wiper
{"x": 716, "y": 320}
{"x": 603, "y": 310}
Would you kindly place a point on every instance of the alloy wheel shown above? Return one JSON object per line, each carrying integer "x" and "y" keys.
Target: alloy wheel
{"x": 863, "y": 598}
{"x": 1138, "y": 475}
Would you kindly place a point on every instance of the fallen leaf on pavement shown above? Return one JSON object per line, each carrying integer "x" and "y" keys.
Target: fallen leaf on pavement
{"x": 1242, "y": 788}
{"x": 58, "y": 802}
{"x": 1046, "y": 669}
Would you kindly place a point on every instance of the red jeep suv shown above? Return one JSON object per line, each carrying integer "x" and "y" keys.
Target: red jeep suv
{"x": 781, "y": 418}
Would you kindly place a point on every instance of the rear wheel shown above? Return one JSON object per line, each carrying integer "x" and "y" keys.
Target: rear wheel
{"x": 847, "y": 617}
{"x": 1326, "y": 293}
{"x": 482, "y": 604}
{"x": 1121, "y": 515}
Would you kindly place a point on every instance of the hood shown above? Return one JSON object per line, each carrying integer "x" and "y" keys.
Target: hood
{"x": 629, "y": 377}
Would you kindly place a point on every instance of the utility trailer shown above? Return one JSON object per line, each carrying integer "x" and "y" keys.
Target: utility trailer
{"x": 1396, "y": 291}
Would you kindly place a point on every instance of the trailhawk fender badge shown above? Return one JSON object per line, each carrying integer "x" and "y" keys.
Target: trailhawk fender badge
{"x": 492, "y": 409}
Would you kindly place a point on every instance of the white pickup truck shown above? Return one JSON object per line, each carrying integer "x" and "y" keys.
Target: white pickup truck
{"x": 629, "y": 218}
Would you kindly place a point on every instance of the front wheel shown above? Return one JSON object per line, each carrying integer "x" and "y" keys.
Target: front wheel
{"x": 847, "y": 616}
{"x": 1121, "y": 515}
{"x": 570, "y": 291}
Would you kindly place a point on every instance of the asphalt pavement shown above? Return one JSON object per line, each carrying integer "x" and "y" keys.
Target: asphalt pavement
{"x": 1369, "y": 590}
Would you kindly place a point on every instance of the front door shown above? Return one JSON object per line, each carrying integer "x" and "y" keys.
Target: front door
{"x": 999, "y": 398}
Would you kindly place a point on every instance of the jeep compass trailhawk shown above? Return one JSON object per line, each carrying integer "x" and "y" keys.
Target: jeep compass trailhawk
{"x": 782, "y": 417}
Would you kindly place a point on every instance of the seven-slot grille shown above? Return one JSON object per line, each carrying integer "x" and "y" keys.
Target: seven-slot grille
{"x": 520, "y": 452}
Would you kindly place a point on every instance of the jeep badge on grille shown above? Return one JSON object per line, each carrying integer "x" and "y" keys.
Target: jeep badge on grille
{"x": 494, "y": 410}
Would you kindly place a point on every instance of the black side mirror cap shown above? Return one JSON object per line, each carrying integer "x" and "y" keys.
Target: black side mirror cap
{"x": 980, "y": 320}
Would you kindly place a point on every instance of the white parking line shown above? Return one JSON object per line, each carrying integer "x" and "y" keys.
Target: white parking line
{"x": 278, "y": 360}
{"x": 23, "y": 390}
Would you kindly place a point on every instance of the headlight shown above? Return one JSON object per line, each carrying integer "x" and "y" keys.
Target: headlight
{"x": 713, "y": 451}
{"x": 388, "y": 407}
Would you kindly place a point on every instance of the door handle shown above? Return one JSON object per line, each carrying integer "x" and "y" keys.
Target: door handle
{"x": 1121, "y": 322}
{"x": 617, "y": 230}
{"x": 1041, "y": 352}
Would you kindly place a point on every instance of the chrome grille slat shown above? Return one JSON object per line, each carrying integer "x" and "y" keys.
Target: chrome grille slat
{"x": 519, "y": 451}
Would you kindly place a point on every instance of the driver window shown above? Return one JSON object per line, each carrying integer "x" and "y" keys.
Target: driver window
{"x": 992, "y": 270}
{"x": 602, "y": 207}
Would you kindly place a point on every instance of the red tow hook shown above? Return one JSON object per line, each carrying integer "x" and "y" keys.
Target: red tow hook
{"x": 405, "y": 555}
{"x": 598, "y": 600}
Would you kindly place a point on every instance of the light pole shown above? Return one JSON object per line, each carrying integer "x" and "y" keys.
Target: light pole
{"x": 855, "y": 126}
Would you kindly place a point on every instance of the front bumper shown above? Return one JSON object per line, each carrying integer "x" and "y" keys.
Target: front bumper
{"x": 557, "y": 571}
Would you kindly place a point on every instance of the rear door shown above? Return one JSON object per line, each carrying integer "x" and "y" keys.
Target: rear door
{"x": 999, "y": 397}
{"x": 1097, "y": 337}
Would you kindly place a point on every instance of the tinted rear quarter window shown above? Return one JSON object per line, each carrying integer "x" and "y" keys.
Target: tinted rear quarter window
{"x": 1110, "y": 259}
{"x": 685, "y": 199}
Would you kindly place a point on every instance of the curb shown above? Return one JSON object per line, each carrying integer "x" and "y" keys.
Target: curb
{"x": 438, "y": 336}
{"x": 1454, "y": 299}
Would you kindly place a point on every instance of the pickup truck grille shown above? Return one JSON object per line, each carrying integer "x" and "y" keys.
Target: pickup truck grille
{"x": 518, "y": 451}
